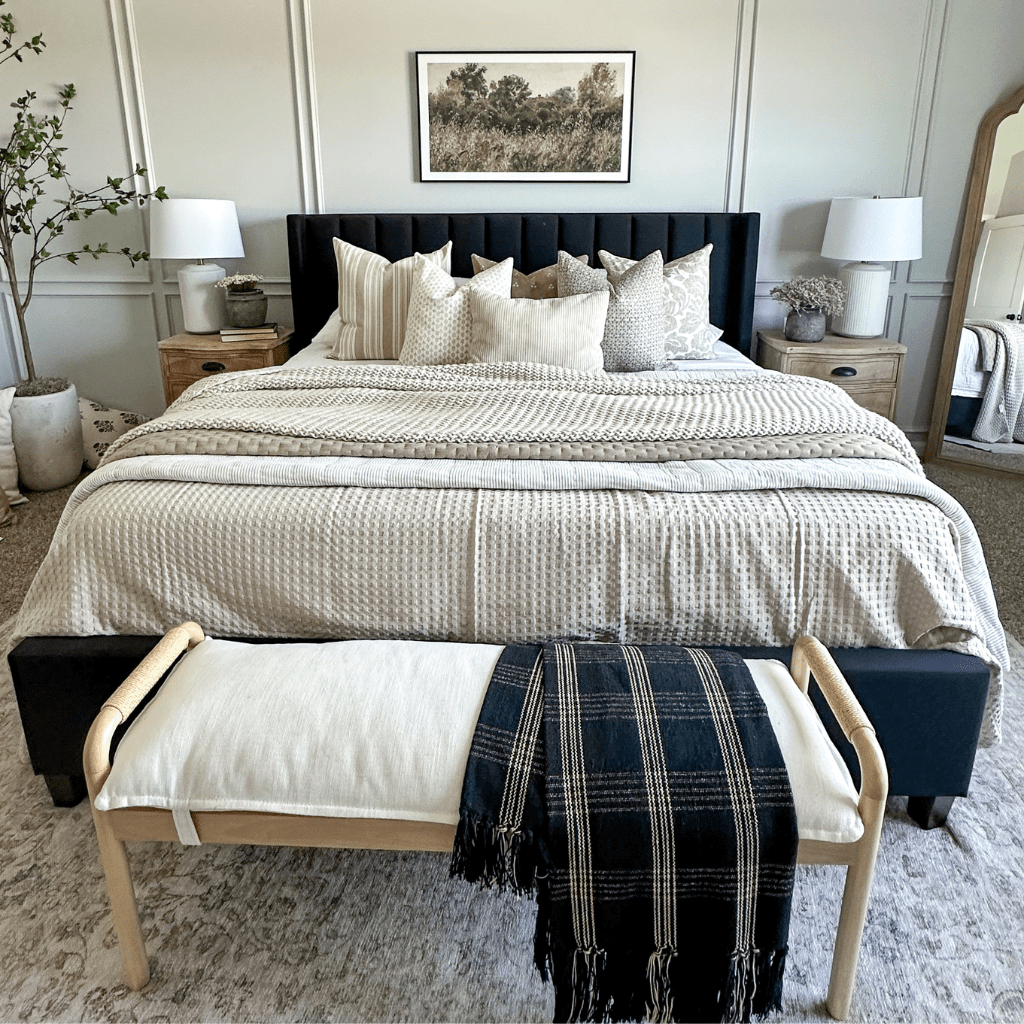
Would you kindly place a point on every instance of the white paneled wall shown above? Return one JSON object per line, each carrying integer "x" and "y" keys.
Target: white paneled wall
{"x": 291, "y": 105}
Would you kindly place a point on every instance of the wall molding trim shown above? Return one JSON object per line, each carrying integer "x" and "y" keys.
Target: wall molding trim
{"x": 307, "y": 119}
{"x": 739, "y": 117}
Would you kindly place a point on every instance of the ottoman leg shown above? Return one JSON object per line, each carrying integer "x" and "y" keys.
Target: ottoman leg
{"x": 122, "y": 899}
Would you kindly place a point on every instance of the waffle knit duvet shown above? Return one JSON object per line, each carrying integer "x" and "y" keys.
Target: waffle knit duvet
{"x": 519, "y": 503}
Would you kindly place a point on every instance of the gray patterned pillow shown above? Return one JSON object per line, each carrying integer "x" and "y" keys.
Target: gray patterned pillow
{"x": 688, "y": 334}
{"x": 439, "y": 328}
{"x": 634, "y": 330}
{"x": 101, "y": 426}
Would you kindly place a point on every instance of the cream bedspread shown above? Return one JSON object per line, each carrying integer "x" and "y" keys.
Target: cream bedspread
{"x": 602, "y": 518}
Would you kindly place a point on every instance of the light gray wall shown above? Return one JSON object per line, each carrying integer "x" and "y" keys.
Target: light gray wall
{"x": 292, "y": 105}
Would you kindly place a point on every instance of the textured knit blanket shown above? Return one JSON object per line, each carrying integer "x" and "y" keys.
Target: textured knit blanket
{"x": 1001, "y": 417}
{"x": 640, "y": 794}
{"x": 513, "y": 410}
{"x": 520, "y": 504}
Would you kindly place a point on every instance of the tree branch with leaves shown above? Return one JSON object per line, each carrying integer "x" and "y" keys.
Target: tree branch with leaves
{"x": 31, "y": 164}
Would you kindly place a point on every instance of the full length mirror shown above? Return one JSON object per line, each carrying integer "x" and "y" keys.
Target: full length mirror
{"x": 978, "y": 415}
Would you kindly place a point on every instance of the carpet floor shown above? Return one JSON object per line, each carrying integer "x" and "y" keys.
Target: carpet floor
{"x": 241, "y": 933}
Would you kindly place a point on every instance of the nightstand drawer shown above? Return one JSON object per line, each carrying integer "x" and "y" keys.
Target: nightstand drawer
{"x": 201, "y": 364}
{"x": 881, "y": 369}
{"x": 881, "y": 400}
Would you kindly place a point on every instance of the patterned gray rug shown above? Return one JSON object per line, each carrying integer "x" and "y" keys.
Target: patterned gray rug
{"x": 258, "y": 934}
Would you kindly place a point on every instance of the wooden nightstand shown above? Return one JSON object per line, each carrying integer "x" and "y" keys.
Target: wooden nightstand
{"x": 186, "y": 358}
{"x": 868, "y": 369}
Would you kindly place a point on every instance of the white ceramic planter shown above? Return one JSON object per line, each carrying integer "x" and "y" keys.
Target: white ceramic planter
{"x": 47, "y": 435}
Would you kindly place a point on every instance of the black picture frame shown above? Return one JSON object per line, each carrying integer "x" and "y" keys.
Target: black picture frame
{"x": 525, "y": 115}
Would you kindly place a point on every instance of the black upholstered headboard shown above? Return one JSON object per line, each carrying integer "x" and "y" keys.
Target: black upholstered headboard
{"x": 533, "y": 239}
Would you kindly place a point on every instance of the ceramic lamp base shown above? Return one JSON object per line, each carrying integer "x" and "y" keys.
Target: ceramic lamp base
{"x": 867, "y": 300}
{"x": 202, "y": 303}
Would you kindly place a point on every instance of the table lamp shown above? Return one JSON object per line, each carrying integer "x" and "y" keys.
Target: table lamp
{"x": 866, "y": 231}
{"x": 197, "y": 229}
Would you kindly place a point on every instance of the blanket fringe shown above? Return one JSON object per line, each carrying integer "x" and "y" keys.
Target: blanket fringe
{"x": 589, "y": 995}
{"x": 660, "y": 1001}
{"x": 753, "y": 987}
{"x": 493, "y": 856}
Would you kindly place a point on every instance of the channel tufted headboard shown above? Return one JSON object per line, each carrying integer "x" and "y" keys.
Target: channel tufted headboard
{"x": 533, "y": 239}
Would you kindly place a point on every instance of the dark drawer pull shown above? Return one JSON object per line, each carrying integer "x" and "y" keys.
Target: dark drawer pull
{"x": 839, "y": 371}
{"x": 214, "y": 367}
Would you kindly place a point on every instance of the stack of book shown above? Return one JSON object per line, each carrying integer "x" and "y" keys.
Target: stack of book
{"x": 261, "y": 333}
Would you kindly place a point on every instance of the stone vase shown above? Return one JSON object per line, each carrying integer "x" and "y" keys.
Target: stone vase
{"x": 805, "y": 325}
{"x": 47, "y": 435}
{"x": 246, "y": 309}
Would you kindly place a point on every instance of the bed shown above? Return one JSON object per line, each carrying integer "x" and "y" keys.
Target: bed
{"x": 722, "y": 506}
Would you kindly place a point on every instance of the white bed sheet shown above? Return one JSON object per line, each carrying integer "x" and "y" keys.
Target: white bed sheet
{"x": 969, "y": 381}
{"x": 726, "y": 360}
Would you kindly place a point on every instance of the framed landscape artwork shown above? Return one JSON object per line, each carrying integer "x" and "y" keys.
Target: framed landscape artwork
{"x": 525, "y": 116}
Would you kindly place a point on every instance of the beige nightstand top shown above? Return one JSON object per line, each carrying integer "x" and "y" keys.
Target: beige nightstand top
{"x": 830, "y": 345}
{"x": 215, "y": 343}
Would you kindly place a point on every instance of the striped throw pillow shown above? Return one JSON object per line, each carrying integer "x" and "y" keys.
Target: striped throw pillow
{"x": 560, "y": 332}
{"x": 373, "y": 300}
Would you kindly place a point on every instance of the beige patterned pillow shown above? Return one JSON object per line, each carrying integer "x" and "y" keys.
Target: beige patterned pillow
{"x": 688, "y": 334}
{"x": 439, "y": 329}
{"x": 373, "y": 300}
{"x": 541, "y": 284}
{"x": 560, "y": 332}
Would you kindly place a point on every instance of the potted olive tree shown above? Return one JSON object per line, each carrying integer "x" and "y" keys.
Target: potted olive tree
{"x": 45, "y": 421}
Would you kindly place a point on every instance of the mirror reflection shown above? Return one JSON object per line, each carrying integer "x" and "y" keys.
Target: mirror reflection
{"x": 985, "y": 425}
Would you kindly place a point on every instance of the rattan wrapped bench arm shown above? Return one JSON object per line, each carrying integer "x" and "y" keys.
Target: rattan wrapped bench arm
{"x": 126, "y": 698}
{"x": 811, "y": 657}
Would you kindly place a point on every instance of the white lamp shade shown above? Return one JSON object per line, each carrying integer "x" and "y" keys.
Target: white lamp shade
{"x": 883, "y": 230}
{"x": 194, "y": 229}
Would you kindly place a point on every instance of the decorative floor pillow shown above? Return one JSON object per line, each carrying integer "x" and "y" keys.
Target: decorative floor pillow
{"x": 101, "y": 426}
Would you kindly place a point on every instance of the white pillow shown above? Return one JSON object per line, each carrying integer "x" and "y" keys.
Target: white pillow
{"x": 439, "y": 328}
{"x": 373, "y": 300}
{"x": 8, "y": 462}
{"x": 560, "y": 332}
{"x": 687, "y": 284}
{"x": 634, "y": 333}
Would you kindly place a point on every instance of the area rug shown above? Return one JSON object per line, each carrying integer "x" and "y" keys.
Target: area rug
{"x": 242, "y": 933}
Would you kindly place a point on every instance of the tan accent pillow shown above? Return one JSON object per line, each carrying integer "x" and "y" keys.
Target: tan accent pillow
{"x": 559, "y": 332}
{"x": 541, "y": 284}
{"x": 439, "y": 329}
{"x": 687, "y": 281}
{"x": 373, "y": 300}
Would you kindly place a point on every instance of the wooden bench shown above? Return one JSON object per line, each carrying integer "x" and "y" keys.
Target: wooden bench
{"x": 115, "y": 826}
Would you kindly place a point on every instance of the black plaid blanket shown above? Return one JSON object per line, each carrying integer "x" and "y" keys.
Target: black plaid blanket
{"x": 639, "y": 793}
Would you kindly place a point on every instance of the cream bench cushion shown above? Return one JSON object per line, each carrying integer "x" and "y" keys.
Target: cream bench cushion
{"x": 377, "y": 729}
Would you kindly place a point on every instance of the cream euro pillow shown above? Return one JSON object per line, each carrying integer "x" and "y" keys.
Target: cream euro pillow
{"x": 439, "y": 328}
{"x": 541, "y": 284}
{"x": 560, "y": 332}
{"x": 687, "y": 288}
{"x": 373, "y": 300}
{"x": 8, "y": 461}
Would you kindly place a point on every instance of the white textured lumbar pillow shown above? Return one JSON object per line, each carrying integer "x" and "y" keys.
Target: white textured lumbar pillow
{"x": 560, "y": 332}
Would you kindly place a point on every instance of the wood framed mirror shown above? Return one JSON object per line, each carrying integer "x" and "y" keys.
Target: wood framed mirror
{"x": 989, "y": 284}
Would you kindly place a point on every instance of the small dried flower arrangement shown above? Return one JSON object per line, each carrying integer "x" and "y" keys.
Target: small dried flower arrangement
{"x": 240, "y": 282}
{"x": 804, "y": 293}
